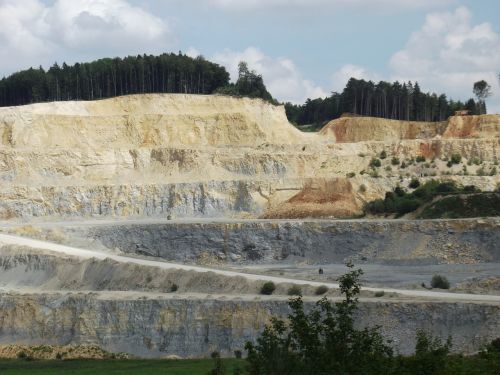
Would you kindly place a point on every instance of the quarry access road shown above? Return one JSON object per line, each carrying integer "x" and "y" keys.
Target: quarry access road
{"x": 89, "y": 254}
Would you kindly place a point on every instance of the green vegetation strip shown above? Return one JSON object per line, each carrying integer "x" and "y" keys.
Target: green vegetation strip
{"x": 126, "y": 366}
{"x": 444, "y": 200}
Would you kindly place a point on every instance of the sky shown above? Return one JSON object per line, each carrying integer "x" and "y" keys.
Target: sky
{"x": 303, "y": 48}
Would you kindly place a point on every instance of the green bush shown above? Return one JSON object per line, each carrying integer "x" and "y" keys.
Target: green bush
{"x": 400, "y": 192}
{"x": 395, "y": 161}
{"x": 350, "y": 174}
{"x": 322, "y": 289}
{"x": 383, "y": 155}
{"x": 414, "y": 183}
{"x": 407, "y": 205}
{"x": 446, "y": 187}
{"x": 268, "y": 288}
{"x": 456, "y": 159}
{"x": 375, "y": 163}
{"x": 440, "y": 282}
{"x": 22, "y": 355}
{"x": 420, "y": 159}
{"x": 174, "y": 287}
{"x": 380, "y": 293}
{"x": 362, "y": 188}
{"x": 295, "y": 291}
{"x": 494, "y": 345}
{"x": 470, "y": 189}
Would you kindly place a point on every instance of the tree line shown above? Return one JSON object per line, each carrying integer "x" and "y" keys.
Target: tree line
{"x": 249, "y": 84}
{"x": 178, "y": 73}
{"x": 110, "y": 77}
{"x": 396, "y": 101}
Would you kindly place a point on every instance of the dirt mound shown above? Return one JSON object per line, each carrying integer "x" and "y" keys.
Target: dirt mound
{"x": 486, "y": 126}
{"x": 360, "y": 129}
{"x": 320, "y": 199}
{"x": 50, "y": 352}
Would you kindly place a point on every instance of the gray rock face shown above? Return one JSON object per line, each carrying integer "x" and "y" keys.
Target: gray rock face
{"x": 194, "y": 328}
{"x": 183, "y": 200}
{"x": 395, "y": 242}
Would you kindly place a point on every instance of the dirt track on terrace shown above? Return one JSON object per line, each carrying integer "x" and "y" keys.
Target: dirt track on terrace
{"x": 86, "y": 254}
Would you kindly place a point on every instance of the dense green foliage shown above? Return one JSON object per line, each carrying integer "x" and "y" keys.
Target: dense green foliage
{"x": 118, "y": 367}
{"x": 324, "y": 341}
{"x": 393, "y": 101}
{"x": 401, "y": 202}
{"x": 167, "y": 73}
{"x": 454, "y": 207}
{"x": 249, "y": 84}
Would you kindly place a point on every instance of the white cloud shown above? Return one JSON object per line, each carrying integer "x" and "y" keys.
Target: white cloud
{"x": 33, "y": 32}
{"x": 448, "y": 54}
{"x": 281, "y": 76}
{"x": 256, "y": 4}
{"x": 193, "y": 52}
{"x": 341, "y": 76}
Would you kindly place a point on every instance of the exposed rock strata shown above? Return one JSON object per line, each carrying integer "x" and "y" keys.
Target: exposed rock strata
{"x": 404, "y": 242}
{"x": 192, "y": 156}
{"x": 192, "y": 328}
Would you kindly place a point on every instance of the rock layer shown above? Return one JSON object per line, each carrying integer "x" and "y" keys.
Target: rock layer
{"x": 193, "y": 328}
{"x": 391, "y": 241}
{"x": 193, "y": 155}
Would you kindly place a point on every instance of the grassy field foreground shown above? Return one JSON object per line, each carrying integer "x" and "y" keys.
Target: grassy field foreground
{"x": 127, "y": 366}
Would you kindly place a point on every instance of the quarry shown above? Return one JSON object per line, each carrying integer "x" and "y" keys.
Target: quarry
{"x": 147, "y": 224}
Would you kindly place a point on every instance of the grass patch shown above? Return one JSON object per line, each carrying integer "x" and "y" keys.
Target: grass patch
{"x": 111, "y": 367}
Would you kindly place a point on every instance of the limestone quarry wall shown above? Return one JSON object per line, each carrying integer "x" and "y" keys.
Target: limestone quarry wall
{"x": 390, "y": 241}
{"x": 232, "y": 199}
{"x": 359, "y": 129}
{"x": 206, "y": 156}
{"x": 194, "y": 328}
{"x": 146, "y": 120}
{"x": 72, "y": 166}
